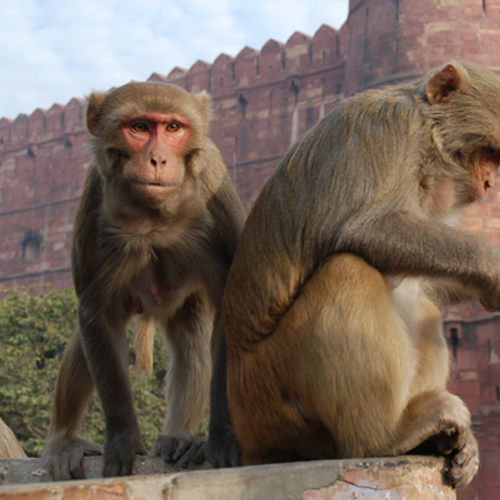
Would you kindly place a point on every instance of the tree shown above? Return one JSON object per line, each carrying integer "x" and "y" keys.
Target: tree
{"x": 34, "y": 329}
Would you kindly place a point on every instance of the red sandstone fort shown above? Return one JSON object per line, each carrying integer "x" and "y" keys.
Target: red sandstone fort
{"x": 263, "y": 101}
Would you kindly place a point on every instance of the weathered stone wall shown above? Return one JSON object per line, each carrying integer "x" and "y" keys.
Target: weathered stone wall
{"x": 408, "y": 478}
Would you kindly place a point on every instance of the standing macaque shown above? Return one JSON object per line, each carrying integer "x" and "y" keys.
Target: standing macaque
{"x": 9, "y": 445}
{"x": 334, "y": 339}
{"x": 155, "y": 235}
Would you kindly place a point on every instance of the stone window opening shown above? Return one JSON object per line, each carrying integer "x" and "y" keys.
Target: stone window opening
{"x": 31, "y": 246}
{"x": 454, "y": 344}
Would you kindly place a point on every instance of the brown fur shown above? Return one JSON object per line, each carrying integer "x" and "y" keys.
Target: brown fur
{"x": 333, "y": 330}
{"x": 165, "y": 256}
{"x": 144, "y": 345}
{"x": 9, "y": 445}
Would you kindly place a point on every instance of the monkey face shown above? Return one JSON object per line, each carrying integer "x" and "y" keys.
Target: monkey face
{"x": 156, "y": 142}
{"x": 145, "y": 135}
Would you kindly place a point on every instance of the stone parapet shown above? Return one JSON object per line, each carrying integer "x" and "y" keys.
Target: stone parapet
{"x": 396, "y": 478}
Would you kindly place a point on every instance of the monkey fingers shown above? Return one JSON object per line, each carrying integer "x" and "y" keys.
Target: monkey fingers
{"x": 182, "y": 449}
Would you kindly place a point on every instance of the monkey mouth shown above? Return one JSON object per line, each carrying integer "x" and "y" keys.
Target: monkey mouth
{"x": 154, "y": 188}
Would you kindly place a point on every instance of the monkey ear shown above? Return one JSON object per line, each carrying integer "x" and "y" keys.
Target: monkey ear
{"x": 442, "y": 87}
{"x": 96, "y": 100}
{"x": 205, "y": 107}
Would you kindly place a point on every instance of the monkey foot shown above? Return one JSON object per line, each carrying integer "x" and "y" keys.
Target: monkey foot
{"x": 182, "y": 449}
{"x": 464, "y": 461}
{"x": 63, "y": 457}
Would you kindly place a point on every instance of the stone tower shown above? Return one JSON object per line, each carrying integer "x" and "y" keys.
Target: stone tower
{"x": 398, "y": 40}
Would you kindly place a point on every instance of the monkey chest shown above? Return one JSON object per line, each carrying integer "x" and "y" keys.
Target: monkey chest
{"x": 160, "y": 290}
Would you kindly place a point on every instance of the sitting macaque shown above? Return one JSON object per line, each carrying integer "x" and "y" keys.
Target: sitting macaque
{"x": 155, "y": 235}
{"x": 332, "y": 306}
{"x": 9, "y": 445}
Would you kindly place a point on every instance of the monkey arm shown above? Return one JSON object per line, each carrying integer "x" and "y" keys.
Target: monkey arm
{"x": 401, "y": 243}
{"x": 104, "y": 342}
{"x": 446, "y": 292}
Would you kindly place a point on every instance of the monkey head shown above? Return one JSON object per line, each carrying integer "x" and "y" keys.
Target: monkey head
{"x": 464, "y": 116}
{"x": 146, "y": 139}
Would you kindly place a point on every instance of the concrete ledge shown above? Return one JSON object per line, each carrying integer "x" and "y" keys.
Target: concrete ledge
{"x": 31, "y": 470}
{"x": 395, "y": 478}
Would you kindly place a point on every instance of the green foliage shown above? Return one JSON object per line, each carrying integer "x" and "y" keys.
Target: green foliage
{"x": 33, "y": 332}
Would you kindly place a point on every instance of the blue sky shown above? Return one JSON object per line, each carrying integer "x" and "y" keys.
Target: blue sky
{"x": 54, "y": 50}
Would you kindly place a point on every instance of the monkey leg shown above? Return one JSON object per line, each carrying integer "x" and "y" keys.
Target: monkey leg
{"x": 439, "y": 423}
{"x": 64, "y": 449}
{"x": 222, "y": 448}
{"x": 329, "y": 381}
{"x": 336, "y": 378}
{"x": 188, "y": 380}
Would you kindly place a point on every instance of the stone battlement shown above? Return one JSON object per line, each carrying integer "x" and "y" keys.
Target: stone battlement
{"x": 42, "y": 125}
{"x": 300, "y": 55}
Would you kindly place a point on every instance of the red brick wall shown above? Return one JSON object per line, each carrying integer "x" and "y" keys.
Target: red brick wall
{"x": 476, "y": 379}
{"x": 263, "y": 100}
{"x": 43, "y": 164}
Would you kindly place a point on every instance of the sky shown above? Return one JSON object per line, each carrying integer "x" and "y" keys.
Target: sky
{"x": 54, "y": 50}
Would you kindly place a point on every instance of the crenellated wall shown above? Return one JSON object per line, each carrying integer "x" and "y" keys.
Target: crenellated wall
{"x": 43, "y": 165}
{"x": 262, "y": 102}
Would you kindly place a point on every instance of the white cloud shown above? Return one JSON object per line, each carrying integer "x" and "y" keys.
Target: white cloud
{"x": 53, "y": 50}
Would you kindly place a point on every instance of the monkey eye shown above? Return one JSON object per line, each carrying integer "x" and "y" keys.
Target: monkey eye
{"x": 173, "y": 127}
{"x": 492, "y": 154}
{"x": 139, "y": 127}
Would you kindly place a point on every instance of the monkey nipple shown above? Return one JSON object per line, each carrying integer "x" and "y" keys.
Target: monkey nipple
{"x": 156, "y": 294}
{"x": 153, "y": 291}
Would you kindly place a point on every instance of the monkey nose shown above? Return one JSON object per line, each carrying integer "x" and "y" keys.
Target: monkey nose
{"x": 157, "y": 161}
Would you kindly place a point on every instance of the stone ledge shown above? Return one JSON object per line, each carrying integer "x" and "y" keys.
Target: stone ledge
{"x": 395, "y": 478}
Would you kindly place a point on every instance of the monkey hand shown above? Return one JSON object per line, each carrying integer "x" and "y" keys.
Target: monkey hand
{"x": 120, "y": 452}
{"x": 63, "y": 457}
{"x": 223, "y": 450}
{"x": 182, "y": 450}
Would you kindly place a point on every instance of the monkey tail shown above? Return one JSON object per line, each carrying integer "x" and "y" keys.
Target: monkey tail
{"x": 144, "y": 344}
{"x": 9, "y": 445}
